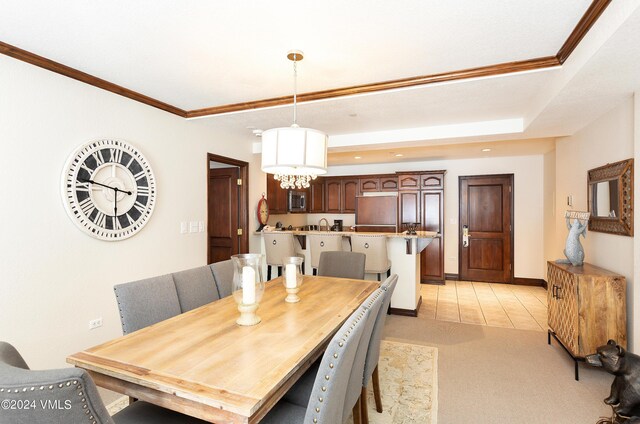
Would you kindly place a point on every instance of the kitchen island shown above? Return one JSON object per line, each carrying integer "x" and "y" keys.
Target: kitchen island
{"x": 404, "y": 253}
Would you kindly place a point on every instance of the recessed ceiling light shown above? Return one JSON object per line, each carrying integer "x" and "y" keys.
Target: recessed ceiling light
{"x": 353, "y": 115}
{"x": 399, "y": 155}
{"x": 486, "y": 150}
{"x": 357, "y": 157}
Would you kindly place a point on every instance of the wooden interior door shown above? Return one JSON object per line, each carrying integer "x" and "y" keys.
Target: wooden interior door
{"x": 223, "y": 240}
{"x": 486, "y": 210}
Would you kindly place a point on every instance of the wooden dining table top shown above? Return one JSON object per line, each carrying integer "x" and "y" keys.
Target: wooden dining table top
{"x": 202, "y": 363}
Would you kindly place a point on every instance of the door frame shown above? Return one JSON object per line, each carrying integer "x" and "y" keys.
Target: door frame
{"x": 513, "y": 228}
{"x": 243, "y": 197}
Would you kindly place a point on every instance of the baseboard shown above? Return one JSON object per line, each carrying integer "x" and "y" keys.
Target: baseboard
{"x": 433, "y": 282}
{"x": 407, "y": 312}
{"x": 538, "y": 282}
{"x": 518, "y": 281}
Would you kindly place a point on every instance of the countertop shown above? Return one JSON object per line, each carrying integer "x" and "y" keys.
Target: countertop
{"x": 419, "y": 234}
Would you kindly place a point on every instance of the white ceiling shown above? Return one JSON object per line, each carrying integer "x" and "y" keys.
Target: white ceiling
{"x": 194, "y": 54}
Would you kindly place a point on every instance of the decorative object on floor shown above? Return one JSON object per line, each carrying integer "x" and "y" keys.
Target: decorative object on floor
{"x": 610, "y": 198}
{"x": 409, "y": 381}
{"x": 625, "y": 389}
{"x": 108, "y": 189}
{"x": 248, "y": 286}
{"x": 263, "y": 213}
{"x": 292, "y": 277}
{"x": 573, "y": 248}
{"x": 293, "y": 154}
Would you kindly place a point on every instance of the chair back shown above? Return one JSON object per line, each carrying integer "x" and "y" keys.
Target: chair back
{"x": 342, "y": 265}
{"x": 146, "y": 302}
{"x": 327, "y": 399}
{"x": 375, "y": 247}
{"x": 65, "y": 395}
{"x": 223, "y": 275}
{"x": 195, "y": 287}
{"x": 354, "y": 387}
{"x": 373, "y": 352}
{"x": 319, "y": 243}
{"x": 278, "y": 245}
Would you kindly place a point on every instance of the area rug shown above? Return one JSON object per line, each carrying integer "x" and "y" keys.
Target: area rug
{"x": 409, "y": 385}
{"x": 408, "y": 382}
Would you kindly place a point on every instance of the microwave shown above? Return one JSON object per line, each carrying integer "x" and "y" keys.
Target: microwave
{"x": 297, "y": 201}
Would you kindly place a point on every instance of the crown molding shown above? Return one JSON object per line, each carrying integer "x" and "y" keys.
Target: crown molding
{"x": 592, "y": 14}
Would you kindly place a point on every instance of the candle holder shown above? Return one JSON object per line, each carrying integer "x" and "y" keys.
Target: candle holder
{"x": 292, "y": 277}
{"x": 248, "y": 286}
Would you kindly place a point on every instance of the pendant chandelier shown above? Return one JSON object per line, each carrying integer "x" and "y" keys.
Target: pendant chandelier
{"x": 295, "y": 155}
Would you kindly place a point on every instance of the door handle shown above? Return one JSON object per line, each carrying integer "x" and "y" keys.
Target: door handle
{"x": 465, "y": 236}
{"x": 558, "y": 292}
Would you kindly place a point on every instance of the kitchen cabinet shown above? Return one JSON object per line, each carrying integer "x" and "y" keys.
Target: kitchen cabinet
{"x": 316, "y": 196}
{"x": 277, "y": 197}
{"x": 409, "y": 182}
{"x": 389, "y": 183}
{"x": 332, "y": 195}
{"x": 368, "y": 184}
{"x": 349, "y": 193}
{"x": 408, "y": 208}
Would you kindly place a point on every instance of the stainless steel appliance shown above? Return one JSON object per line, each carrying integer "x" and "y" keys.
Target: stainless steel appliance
{"x": 297, "y": 201}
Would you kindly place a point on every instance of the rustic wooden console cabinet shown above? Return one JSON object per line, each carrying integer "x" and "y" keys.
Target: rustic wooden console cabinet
{"x": 586, "y": 307}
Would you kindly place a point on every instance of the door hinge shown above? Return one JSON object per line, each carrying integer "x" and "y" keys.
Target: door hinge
{"x": 509, "y": 267}
{"x": 239, "y": 181}
{"x": 239, "y": 231}
{"x": 509, "y": 189}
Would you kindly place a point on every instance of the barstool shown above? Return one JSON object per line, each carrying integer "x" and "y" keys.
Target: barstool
{"x": 319, "y": 243}
{"x": 278, "y": 246}
{"x": 375, "y": 248}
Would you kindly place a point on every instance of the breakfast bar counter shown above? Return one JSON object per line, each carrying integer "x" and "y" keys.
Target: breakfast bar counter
{"x": 404, "y": 253}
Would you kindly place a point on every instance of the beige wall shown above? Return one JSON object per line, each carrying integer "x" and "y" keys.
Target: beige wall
{"x": 608, "y": 139}
{"x": 54, "y": 278}
{"x": 528, "y": 198}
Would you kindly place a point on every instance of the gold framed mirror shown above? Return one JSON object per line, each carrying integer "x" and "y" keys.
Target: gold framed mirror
{"x": 610, "y": 198}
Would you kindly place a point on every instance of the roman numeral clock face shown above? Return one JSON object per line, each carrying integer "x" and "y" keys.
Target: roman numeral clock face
{"x": 108, "y": 189}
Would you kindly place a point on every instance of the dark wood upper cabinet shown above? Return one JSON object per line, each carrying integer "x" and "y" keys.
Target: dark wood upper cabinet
{"x": 316, "y": 196}
{"x": 431, "y": 181}
{"x": 408, "y": 182}
{"x": 349, "y": 193}
{"x": 408, "y": 208}
{"x": 389, "y": 183}
{"x": 276, "y": 196}
{"x": 332, "y": 195}
{"x": 369, "y": 184}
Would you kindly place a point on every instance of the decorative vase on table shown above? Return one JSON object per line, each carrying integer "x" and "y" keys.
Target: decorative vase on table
{"x": 292, "y": 277}
{"x": 248, "y": 286}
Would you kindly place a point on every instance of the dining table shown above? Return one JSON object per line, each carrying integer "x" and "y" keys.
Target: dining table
{"x": 201, "y": 363}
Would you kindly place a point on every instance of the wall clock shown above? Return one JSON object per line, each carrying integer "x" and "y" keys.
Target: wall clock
{"x": 108, "y": 189}
{"x": 263, "y": 212}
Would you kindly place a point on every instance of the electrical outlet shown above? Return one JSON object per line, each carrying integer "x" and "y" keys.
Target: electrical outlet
{"x": 95, "y": 323}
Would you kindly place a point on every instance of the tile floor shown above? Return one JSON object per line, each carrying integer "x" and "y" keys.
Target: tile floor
{"x": 492, "y": 304}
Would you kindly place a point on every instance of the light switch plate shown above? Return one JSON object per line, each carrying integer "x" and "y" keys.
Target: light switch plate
{"x": 183, "y": 227}
{"x": 201, "y": 226}
{"x": 193, "y": 226}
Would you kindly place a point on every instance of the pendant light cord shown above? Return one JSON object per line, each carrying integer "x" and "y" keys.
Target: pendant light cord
{"x": 295, "y": 89}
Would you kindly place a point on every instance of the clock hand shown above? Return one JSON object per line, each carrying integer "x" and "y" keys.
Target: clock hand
{"x": 116, "y": 189}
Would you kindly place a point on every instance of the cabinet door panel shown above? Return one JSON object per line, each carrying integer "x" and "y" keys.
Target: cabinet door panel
{"x": 369, "y": 184}
{"x": 388, "y": 183}
{"x": 277, "y": 197}
{"x": 333, "y": 195}
{"x": 409, "y": 207}
{"x": 316, "y": 196}
{"x": 349, "y": 193}
{"x": 409, "y": 182}
{"x": 431, "y": 181}
{"x": 432, "y": 258}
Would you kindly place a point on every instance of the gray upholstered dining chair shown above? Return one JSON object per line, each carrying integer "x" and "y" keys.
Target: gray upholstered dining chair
{"x": 66, "y": 396}
{"x": 300, "y": 393}
{"x": 195, "y": 287}
{"x": 146, "y": 302}
{"x": 324, "y": 402}
{"x": 342, "y": 265}
{"x": 373, "y": 352}
{"x": 223, "y": 275}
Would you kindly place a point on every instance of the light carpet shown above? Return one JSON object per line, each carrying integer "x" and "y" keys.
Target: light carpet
{"x": 408, "y": 383}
